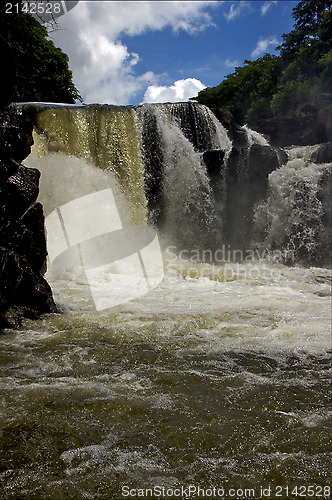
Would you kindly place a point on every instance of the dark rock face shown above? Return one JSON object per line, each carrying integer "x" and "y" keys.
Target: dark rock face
{"x": 23, "y": 290}
{"x": 246, "y": 177}
{"x": 247, "y": 183}
{"x": 323, "y": 154}
{"x": 262, "y": 161}
{"x": 306, "y": 130}
{"x": 214, "y": 161}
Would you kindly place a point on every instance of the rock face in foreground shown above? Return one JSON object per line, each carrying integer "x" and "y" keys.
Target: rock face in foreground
{"x": 23, "y": 290}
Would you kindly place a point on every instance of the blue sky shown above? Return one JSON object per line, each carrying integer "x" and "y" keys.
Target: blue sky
{"x": 132, "y": 52}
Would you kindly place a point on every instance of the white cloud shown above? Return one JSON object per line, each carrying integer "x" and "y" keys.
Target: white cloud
{"x": 182, "y": 90}
{"x": 107, "y": 74}
{"x": 104, "y": 70}
{"x": 237, "y": 9}
{"x": 229, "y": 63}
{"x": 262, "y": 46}
{"x": 266, "y": 7}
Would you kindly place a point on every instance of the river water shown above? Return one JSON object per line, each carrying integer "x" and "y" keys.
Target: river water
{"x": 213, "y": 384}
{"x": 201, "y": 382}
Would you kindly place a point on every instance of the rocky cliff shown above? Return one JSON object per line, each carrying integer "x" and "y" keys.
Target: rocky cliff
{"x": 23, "y": 289}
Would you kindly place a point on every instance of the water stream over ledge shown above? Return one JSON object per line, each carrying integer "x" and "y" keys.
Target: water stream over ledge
{"x": 218, "y": 377}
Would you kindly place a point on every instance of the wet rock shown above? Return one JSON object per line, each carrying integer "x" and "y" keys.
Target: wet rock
{"x": 262, "y": 161}
{"x": 16, "y": 135}
{"x": 247, "y": 174}
{"x": 22, "y": 190}
{"x": 323, "y": 154}
{"x": 236, "y": 133}
{"x": 282, "y": 156}
{"x": 24, "y": 293}
{"x": 214, "y": 161}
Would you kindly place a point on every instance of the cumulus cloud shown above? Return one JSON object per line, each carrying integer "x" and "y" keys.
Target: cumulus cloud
{"x": 237, "y": 9}
{"x": 104, "y": 70}
{"x": 107, "y": 74}
{"x": 181, "y": 90}
{"x": 262, "y": 46}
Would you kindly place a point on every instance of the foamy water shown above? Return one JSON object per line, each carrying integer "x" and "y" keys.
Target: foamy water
{"x": 218, "y": 377}
{"x": 212, "y": 382}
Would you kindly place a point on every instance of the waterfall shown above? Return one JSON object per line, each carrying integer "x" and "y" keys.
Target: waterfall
{"x": 173, "y": 166}
{"x": 183, "y": 205}
{"x": 109, "y": 175}
{"x": 295, "y": 218}
{"x": 254, "y": 137}
{"x": 152, "y": 156}
{"x": 102, "y": 137}
{"x": 173, "y": 367}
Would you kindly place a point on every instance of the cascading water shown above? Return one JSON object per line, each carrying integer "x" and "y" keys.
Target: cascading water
{"x": 188, "y": 216}
{"x": 167, "y": 175}
{"x": 296, "y": 216}
{"x": 82, "y": 151}
{"x": 215, "y": 376}
{"x": 254, "y": 137}
{"x": 105, "y": 137}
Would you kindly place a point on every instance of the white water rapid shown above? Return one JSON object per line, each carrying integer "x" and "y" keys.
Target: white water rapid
{"x": 212, "y": 368}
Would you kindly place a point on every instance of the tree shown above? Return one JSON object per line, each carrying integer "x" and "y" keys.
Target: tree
{"x": 295, "y": 84}
{"x": 306, "y": 81}
{"x": 42, "y": 69}
{"x": 312, "y": 28}
{"x": 248, "y": 91}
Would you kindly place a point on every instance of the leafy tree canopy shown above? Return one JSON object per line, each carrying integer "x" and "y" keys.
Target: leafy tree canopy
{"x": 286, "y": 85}
{"x": 42, "y": 69}
{"x": 251, "y": 84}
{"x": 312, "y": 28}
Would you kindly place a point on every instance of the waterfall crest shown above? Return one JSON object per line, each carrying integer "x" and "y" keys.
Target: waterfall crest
{"x": 99, "y": 136}
{"x": 174, "y": 167}
{"x": 153, "y": 153}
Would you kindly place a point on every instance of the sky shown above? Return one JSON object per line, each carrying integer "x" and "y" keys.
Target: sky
{"x": 133, "y": 52}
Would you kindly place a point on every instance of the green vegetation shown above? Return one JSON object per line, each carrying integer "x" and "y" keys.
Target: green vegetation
{"x": 42, "y": 69}
{"x": 292, "y": 84}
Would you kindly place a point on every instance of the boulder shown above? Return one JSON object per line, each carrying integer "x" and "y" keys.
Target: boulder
{"x": 262, "y": 161}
